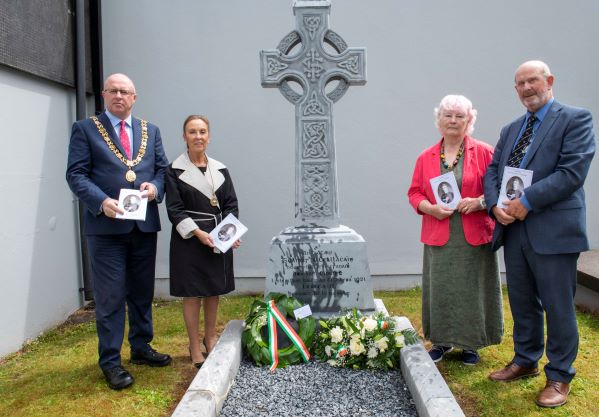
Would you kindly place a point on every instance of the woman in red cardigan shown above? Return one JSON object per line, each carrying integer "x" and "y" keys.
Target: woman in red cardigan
{"x": 461, "y": 288}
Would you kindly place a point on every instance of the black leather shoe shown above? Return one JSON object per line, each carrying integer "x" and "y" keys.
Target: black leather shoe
{"x": 118, "y": 377}
{"x": 150, "y": 357}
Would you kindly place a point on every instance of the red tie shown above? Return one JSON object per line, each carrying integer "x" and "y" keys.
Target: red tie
{"x": 125, "y": 140}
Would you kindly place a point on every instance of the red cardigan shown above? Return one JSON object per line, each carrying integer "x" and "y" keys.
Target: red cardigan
{"x": 478, "y": 226}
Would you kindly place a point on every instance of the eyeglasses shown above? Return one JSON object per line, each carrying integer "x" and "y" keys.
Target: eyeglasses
{"x": 115, "y": 91}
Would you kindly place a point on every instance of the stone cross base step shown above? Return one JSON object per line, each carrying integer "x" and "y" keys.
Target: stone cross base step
{"x": 326, "y": 268}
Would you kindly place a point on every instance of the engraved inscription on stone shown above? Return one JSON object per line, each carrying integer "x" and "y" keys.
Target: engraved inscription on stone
{"x": 324, "y": 273}
{"x": 327, "y": 265}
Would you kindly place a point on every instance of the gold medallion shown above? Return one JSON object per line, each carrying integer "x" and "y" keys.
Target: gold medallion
{"x": 130, "y": 175}
{"x": 214, "y": 201}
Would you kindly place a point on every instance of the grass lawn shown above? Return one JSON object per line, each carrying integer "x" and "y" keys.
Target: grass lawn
{"x": 57, "y": 374}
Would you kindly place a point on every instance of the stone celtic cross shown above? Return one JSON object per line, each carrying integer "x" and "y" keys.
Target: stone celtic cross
{"x": 313, "y": 56}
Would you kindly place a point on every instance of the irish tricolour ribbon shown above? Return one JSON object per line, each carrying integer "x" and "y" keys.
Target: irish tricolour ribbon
{"x": 273, "y": 317}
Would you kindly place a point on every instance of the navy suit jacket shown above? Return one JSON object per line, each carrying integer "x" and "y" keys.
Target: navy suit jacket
{"x": 95, "y": 173}
{"x": 560, "y": 157}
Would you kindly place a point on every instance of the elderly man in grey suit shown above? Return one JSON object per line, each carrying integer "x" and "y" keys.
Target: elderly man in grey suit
{"x": 544, "y": 230}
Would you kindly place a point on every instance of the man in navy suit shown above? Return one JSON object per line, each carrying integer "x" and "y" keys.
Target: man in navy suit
{"x": 544, "y": 230}
{"x": 106, "y": 154}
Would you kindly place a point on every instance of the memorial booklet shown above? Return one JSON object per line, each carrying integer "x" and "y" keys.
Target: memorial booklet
{"x": 446, "y": 191}
{"x": 513, "y": 183}
{"x": 134, "y": 203}
{"x": 227, "y": 232}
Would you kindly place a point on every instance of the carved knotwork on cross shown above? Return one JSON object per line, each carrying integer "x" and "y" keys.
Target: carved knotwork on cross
{"x": 302, "y": 57}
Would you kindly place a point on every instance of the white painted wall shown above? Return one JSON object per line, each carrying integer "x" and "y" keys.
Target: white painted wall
{"x": 39, "y": 266}
{"x": 202, "y": 57}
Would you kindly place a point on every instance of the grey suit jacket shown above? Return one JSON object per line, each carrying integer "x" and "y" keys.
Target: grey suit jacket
{"x": 560, "y": 157}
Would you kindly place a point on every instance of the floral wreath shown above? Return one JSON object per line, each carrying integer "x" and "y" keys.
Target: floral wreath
{"x": 356, "y": 341}
{"x": 276, "y": 307}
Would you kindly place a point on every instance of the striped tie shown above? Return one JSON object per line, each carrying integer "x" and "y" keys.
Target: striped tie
{"x": 519, "y": 151}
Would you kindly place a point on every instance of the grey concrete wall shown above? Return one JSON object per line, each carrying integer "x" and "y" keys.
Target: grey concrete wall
{"x": 39, "y": 280}
{"x": 195, "y": 56}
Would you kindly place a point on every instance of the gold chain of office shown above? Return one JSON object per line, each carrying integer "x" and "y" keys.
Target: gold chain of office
{"x": 130, "y": 175}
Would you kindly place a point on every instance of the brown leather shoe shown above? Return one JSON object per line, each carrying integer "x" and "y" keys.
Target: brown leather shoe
{"x": 554, "y": 394}
{"x": 511, "y": 372}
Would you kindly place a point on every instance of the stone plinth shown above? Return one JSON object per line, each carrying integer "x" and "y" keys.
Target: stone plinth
{"x": 325, "y": 268}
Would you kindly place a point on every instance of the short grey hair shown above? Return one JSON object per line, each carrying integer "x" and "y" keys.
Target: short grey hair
{"x": 457, "y": 102}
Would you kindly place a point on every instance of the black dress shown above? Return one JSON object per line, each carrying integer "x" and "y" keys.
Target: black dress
{"x": 195, "y": 269}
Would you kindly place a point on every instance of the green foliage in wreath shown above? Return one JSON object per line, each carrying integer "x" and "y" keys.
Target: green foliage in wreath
{"x": 257, "y": 347}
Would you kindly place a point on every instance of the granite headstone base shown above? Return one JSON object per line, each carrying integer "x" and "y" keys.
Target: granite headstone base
{"x": 326, "y": 268}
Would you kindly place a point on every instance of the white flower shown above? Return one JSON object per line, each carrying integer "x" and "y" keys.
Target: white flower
{"x": 372, "y": 352}
{"x": 370, "y": 324}
{"x": 336, "y": 334}
{"x": 381, "y": 344}
{"x": 333, "y": 362}
{"x": 402, "y": 323}
{"x": 356, "y": 347}
{"x": 261, "y": 321}
{"x": 327, "y": 350}
{"x": 400, "y": 341}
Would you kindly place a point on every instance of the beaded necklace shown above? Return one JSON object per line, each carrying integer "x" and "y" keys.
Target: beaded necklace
{"x": 457, "y": 157}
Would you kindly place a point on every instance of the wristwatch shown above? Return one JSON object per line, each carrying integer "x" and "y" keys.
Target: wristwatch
{"x": 482, "y": 202}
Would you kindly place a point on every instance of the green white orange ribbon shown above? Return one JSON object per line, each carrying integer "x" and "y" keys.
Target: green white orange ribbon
{"x": 273, "y": 317}
{"x": 342, "y": 351}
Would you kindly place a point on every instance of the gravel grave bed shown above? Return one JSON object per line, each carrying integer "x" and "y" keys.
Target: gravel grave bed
{"x": 316, "y": 389}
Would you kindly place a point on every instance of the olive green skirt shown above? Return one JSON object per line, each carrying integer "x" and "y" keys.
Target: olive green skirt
{"x": 461, "y": 293}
